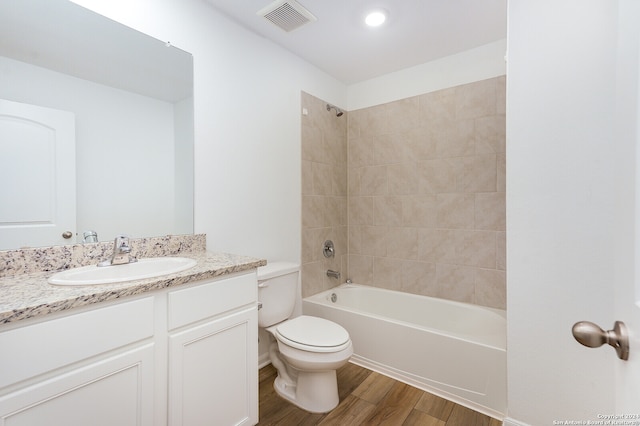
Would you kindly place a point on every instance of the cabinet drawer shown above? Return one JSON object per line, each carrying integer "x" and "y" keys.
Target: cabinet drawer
{"x": 38, "y": 348}
{"x": 211, "y": 298}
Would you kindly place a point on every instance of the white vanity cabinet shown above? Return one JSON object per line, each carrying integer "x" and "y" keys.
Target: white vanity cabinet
{"x": 93, "y": 367}
{"x": 213, "y": 353}
{"x": 181, "y": 356}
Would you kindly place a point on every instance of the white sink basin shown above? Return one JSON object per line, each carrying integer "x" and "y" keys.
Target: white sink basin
{"x": 143, "y": 268}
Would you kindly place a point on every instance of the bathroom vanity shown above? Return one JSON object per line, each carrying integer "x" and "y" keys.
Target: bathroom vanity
{"x": 173, "y": 350}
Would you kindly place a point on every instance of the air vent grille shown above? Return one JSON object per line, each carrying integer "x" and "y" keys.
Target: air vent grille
{"x": 287, "y": 14}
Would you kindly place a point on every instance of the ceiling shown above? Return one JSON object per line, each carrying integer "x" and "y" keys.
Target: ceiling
{"x": 416, "y": 31}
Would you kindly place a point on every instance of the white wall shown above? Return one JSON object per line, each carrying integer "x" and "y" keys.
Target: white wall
{"x": 561, "y": 184}
{"x": 469, "y": 66}
{"x": 183, "y": 176}
{"x": 116, "y": 133}
{"x": 247, "y": 123}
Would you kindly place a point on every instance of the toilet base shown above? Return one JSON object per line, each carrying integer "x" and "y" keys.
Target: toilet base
{"x": 315, "y": 392}
{"x": 307, "y": 379}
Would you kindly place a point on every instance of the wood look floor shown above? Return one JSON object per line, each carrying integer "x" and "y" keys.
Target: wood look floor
{"x": 368, "y": 398}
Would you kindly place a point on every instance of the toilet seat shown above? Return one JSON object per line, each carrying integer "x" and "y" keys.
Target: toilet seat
{"x": 312, "y": 334}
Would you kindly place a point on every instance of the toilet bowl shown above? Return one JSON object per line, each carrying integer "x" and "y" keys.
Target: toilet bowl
{"x": 306, "y": 351}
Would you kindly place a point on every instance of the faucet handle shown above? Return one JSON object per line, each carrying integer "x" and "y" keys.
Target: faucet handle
{"x": 121, "y": 250}
{"x": 121, "y": 244}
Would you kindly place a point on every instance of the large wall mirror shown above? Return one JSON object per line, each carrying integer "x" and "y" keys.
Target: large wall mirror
{"x": 96, "y": 128}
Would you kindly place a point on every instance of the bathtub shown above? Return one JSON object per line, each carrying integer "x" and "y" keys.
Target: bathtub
{"x": 451, "y": 349}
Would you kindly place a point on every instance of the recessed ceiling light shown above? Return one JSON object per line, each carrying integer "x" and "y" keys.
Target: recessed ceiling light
{"x": 375, "y": 18}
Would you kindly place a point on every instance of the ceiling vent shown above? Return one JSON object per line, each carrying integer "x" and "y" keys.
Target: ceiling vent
{"x": 287, "y": 14}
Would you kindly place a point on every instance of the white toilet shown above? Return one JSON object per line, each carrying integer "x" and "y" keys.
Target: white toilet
{"x": 305, "y": 350}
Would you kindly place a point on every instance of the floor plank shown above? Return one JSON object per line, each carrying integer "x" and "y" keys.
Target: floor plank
{"x": 396, "y": 406}
{"x": 350, "y": 377}
{"x": 351, "y": 411}
{"x": 435, "y": 406}
{"x": 464, "y": 416}
{"x": 374, "y": 387}
{"x": 420, "y": 418}
{"x": 367, "y": 398}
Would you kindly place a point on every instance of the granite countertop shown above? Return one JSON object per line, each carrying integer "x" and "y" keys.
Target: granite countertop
{"x": 30, "y": 295}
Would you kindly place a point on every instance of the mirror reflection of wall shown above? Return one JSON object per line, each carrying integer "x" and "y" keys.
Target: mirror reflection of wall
{"x": 133, "y": 104}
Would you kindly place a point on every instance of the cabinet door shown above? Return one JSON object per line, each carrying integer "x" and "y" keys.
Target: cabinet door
{"x": 213, "y": 372}
{"x": 114, "y": 391}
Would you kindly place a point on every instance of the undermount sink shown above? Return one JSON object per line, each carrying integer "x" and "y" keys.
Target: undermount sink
{"x": 143, "y": 268}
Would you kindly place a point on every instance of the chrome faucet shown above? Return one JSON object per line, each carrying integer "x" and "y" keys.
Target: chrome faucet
{"x": 121, "y": 252}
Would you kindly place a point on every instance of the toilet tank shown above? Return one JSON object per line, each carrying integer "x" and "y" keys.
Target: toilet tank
{"x": 277, "y": 289}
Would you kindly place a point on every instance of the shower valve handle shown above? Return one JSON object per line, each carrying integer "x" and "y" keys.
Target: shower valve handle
{"x": 328, "y": 249}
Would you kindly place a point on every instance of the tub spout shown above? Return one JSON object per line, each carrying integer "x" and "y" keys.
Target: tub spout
{"x": 333, "y": 274}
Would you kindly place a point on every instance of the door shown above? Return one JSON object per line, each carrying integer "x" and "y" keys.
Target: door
{"x": 37, "y": 176}
{"x": 627, "y": 282}
{"x": 572, "y": 215}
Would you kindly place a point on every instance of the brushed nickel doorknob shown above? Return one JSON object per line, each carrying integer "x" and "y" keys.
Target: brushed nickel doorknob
{"x": 67, "y": 234}
{"x": 592, "y": 336}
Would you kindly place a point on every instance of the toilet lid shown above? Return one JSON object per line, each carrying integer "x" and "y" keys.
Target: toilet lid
{"x": 313, "y": 331}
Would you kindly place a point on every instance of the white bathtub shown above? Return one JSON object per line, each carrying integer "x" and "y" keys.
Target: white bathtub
{"x": 451, "y": 349}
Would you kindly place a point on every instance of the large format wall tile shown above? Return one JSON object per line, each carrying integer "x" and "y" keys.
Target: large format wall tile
{"x": 413, "y": 191}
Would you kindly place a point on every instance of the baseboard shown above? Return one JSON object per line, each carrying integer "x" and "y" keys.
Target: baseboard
{"x": 263, "y": 360}
{"x": 512, "y": 422}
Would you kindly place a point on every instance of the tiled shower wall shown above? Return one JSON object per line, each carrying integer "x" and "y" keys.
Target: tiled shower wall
{"x": 324, "y": 194}
{"x": 426, "y": 194}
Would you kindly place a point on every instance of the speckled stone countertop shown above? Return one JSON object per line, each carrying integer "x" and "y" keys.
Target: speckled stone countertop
{"x": 29, "y": 295}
